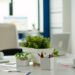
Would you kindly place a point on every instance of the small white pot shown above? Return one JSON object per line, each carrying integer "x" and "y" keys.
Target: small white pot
{"x": 47, "y": 63}
{"x": 21, "y": 64}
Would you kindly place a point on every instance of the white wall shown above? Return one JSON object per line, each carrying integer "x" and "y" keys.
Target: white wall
{"x": 62, "y": 7}
{"x": 67, "y": 15}
{"x": 73, "y": 25}
{"x": 67, "y": 20}
{"x": 56, "y": 16}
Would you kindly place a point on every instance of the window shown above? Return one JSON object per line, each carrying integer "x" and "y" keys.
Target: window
{"x": 56, "y": 12}
{"x": 26, "y": 10}
{"x": 41, "y": 15}
{"x": 4, "y": 10}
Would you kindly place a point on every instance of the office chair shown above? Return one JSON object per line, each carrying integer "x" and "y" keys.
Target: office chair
{"x": 9, "y": 39}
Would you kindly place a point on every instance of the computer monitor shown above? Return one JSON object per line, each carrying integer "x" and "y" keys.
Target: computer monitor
{"x": 61, "y": 42}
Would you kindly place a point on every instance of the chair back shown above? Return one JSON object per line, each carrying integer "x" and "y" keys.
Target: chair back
{"x": 8, "y": 36}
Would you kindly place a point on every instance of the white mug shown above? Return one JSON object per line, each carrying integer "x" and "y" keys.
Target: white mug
{"x": 1, "y": 55}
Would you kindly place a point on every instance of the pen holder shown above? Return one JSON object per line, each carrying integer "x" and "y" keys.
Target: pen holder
{"x": 47, "y": 63}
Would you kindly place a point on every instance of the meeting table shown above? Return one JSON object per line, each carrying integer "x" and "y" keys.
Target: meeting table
{"x": 8, "y": 67}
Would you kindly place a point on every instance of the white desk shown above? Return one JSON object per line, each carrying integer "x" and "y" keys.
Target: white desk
{"x": 58, "y": 70}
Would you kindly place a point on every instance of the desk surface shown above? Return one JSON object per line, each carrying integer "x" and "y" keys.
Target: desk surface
{"x": 58, "y": 70}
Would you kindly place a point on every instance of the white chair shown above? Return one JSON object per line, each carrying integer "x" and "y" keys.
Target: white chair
{"x": 8, "y": 37}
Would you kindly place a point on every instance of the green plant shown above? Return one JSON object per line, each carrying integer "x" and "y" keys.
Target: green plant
{"x": 23, "y": 55}
{"x": 55, "y": 52}
{"x": 37, "y": 42}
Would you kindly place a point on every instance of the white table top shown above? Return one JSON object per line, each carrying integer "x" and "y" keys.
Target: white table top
{"x": 59, "y": 69}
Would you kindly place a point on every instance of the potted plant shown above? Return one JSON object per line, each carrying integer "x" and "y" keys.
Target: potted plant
{"x": 47, "y": 62}
{"x": 22, "y": 60}
{"x": 35, "y": 45}
{"x": 37, "y": 42}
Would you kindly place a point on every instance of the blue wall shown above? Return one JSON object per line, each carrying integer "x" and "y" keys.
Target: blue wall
{"x": 46, "y": 19}
{"x": 20, "y": 35}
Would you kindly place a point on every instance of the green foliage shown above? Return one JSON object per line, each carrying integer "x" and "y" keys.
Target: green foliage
{"x": 23, "y": 55}
{"x": 37, "y": 42}
{"x": 55, "y": 53}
